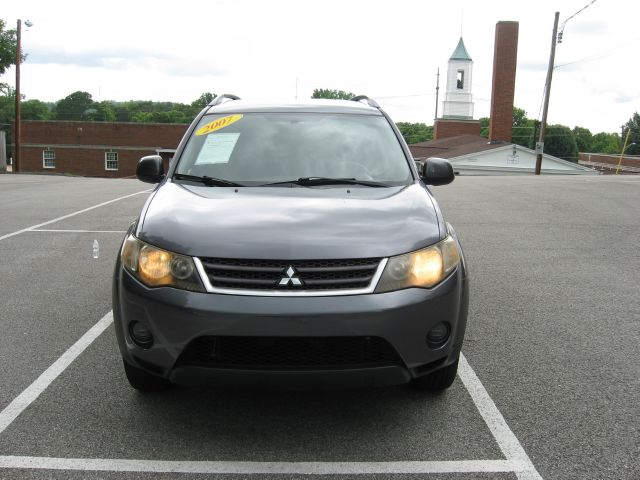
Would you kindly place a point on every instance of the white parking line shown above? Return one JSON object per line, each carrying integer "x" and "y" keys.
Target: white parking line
{"x": 517, "y": 461}
{"x": 33, "y": 391}
{"x": 77, "y": 231}
{"x": 49, "y": 222}
{"x": 506, "y": 439}
{"x": 249, "y": 468}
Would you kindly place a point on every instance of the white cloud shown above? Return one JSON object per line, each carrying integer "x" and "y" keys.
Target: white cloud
{"x": 175, "y": 51}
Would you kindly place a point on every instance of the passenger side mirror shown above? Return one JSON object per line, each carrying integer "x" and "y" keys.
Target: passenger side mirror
{"x": 150, "y": 169}
{"x": 437, "y": 171}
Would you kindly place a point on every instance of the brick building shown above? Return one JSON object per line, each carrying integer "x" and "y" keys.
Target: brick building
{"x": 97, "y": 149}
{"x": 611, "y": 163}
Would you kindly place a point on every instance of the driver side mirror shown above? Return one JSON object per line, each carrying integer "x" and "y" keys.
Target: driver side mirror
{"x": 150, "y": 169}
{"x": 437, "y": 171}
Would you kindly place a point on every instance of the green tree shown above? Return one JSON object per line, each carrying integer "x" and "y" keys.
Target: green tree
{"x": 415, "y": 132}
{"x": 101, "y": 112}
{"x": 203, "y": 100}
{"x": 559, "y": 142}
{"x": 141, "y": 117}
{"x": 8, "y": 40}
{"x": 7, "y": 113}
{"x": 523, "y": 128}
{"x": 77, "y": 106}
{"x": 633, "y": 125}
{"x": 35, "y": 110}
{"x": 332, "y": 94}
{"x": 584, "y": 138}
{"x": 605, "y": 143}
{"x": 484, "y": 127}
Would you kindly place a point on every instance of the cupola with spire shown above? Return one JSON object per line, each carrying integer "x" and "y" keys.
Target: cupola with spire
{"x": 458, "y": 101}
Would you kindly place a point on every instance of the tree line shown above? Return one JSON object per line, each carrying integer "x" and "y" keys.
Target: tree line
{"x": 560, "y": 140}
{"x": 80, "y": 106}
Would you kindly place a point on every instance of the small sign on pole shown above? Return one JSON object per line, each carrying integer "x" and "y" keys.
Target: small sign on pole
{"x": 539, "y": 148}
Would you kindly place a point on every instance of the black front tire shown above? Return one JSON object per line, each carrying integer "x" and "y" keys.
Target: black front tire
{"x": 437, "y": 381}
{"x": 143, "y": 381}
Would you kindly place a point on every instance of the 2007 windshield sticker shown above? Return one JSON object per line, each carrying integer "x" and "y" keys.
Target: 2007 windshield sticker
{"x": 217, "y": 124}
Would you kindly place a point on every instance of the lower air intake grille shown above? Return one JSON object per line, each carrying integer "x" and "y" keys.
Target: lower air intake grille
{"x": 289, "y": 352}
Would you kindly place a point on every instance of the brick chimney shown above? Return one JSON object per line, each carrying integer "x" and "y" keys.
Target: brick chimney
{"x": 505, "y": 56}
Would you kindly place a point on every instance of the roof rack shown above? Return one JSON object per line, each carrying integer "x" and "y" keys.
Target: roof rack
{"x": 221, "y": 99}
{"x": 370, "y": 101}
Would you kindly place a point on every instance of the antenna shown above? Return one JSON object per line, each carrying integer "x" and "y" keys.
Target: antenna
{"x": 461, "y": 21}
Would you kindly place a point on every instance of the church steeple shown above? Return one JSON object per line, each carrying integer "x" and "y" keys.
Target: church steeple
{"x": 458, "y": 102}
{"x": 460, "y": 53}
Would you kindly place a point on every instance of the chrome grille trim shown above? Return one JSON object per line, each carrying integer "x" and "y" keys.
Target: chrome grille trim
{"x": 289, "y": 293}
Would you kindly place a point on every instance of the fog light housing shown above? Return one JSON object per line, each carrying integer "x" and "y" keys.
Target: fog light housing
{"x": 438, "y": 335}
{"x": 140, "y": 334}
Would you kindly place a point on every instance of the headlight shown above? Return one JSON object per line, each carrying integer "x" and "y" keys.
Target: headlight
{"x": 424, "y": 268}
{"x": 159, "y": 268}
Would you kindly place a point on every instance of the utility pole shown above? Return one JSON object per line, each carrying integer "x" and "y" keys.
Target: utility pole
{"x": 16, "y": 147}
{"x": 437, "y": 90}
{"x": 547, "y": 93}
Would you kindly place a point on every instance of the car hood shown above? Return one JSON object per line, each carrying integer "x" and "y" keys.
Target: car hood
{"x": 289, "y": 223}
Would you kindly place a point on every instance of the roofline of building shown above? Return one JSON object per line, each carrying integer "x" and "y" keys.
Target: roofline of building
{"x": 455, "y": 118}
{"x": 522, "y": 170}
{"x": 61, "y": 146}
{"x": 101, "y": 123}
{"x": 520, "y": 147}
{"x": 612, "y": 155}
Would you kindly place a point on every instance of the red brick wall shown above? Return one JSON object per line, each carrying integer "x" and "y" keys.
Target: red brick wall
{"x": 82, "y": 161}
{"x": 452, "y": 128}
{"x": 67, "y": 139}
{"x": 610, "y": 162}
{"x": 505, "y": 57}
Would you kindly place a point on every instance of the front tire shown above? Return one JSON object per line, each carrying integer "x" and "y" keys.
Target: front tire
{"x": 143, "y": 381}
{"x": 437, "y": 381}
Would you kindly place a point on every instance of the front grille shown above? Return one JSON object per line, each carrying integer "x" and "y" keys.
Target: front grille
{"x": 289, "y": 352}
{"x": 290, "y": 275}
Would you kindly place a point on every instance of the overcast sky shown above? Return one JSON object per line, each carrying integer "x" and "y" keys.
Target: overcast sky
{"x": 390, "y": 50}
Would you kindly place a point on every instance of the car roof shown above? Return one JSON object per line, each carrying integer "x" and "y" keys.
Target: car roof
{"x": 302, "y": 106}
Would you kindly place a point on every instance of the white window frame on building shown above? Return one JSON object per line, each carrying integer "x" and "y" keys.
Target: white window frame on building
{"x": 111, "y": 163}
{"x": 48, "y": 158}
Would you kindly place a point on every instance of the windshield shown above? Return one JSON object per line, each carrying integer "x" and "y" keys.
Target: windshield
{"x": 260, "y": 148}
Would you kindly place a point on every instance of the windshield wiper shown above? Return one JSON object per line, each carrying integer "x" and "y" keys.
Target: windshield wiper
{"x": 208, "y": 181}
{"x": 311, "y": 181}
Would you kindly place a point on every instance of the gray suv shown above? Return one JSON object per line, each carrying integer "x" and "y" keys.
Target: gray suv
{"x": 291, "y": 244}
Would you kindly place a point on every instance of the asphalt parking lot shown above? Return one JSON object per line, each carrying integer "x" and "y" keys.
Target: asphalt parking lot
{"x": 548, "y": 389}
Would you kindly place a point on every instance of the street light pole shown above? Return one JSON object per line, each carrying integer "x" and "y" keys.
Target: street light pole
{"x": 16, "y": 147}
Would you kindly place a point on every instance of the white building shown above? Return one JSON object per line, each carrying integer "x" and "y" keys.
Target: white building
{"x": 458, "y": 101}
{"x": 475, "y": 155}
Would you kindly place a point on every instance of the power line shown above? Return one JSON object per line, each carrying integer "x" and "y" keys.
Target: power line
{"x": 561, "y": 30}
{"x": 581, "y": 10}
{"x": 604, "y": 53}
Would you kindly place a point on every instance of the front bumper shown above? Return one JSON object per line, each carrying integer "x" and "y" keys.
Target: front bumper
{"x": 402, "y": 318}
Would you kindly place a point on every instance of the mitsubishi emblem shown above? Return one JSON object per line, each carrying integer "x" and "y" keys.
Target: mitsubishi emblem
{"x": 295, "y": 281}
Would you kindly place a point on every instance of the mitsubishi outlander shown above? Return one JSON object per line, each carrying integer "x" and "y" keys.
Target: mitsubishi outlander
{"x": 291, "y": 244}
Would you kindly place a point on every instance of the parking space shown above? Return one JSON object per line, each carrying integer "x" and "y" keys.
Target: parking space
{"x": 552, "y": 339}
{"x": 29, "y": 200}
{"x": 259, "y": 426}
